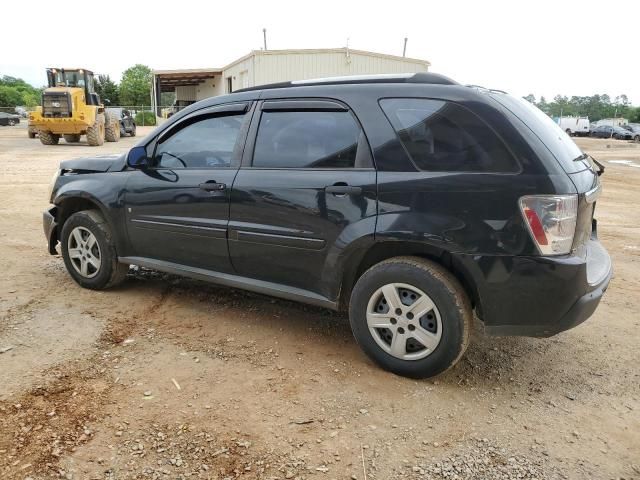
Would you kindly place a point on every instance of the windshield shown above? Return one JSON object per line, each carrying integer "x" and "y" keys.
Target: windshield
{"x": 69, "y": 79}
{"x": 557, "y": 141}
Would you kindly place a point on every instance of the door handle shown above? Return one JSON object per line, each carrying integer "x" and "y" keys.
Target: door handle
{"x": 212, "y": 186}
{"x": 341, "y": 188}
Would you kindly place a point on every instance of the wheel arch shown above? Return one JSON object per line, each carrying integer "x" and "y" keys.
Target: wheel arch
{"x": 74, "y": 203}
{"x": 385, "y": 250}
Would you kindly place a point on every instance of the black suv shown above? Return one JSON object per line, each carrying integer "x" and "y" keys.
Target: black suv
{"x": 411, "y": 201}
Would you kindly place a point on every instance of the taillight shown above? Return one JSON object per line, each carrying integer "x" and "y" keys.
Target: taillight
{"x": 551, "y": 220}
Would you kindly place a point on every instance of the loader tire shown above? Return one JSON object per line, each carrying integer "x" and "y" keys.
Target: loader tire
{"x": 48, "y": 138}
{"x": 72, "y": 138}
{"x": 95, "y": 133}
{"x": 112, "y": 128}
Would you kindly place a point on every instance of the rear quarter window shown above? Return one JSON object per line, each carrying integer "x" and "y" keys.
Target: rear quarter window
{"x": 441, "y": 136}
{"x": 555, "y": 139}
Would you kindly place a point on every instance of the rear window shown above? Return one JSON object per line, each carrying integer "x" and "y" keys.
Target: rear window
{"x": 556, "y": 140}
{"x": 442, "y": 136}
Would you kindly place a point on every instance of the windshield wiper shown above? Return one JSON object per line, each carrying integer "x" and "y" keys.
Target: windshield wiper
{"x": 600, "y": 166}
{"x": 584, "y": 156}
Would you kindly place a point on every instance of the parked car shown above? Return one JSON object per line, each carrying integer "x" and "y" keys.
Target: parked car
{"x": 608, "y": 131}
{"x": 634, "y": 128}
{"x": 578, "y": 126}
{"x": 409, "y": 201}
{"x": 127, "y": 123}
{"x": 9, "y": 119}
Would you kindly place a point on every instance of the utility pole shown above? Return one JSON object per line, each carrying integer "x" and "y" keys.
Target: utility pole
{"x": 404, "y": 49}
{"x": 264, "y": 36}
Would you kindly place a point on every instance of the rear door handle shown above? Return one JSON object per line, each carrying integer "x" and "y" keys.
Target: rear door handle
{"x": 212, "y": 186}
{"x": 343, "y": 189}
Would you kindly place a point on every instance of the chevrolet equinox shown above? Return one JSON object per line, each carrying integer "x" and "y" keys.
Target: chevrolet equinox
{"x": 413, "y": 202}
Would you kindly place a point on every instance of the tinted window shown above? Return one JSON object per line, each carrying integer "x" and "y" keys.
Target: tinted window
{"x": 441, "y": 136}
{"x": 203, "y": 144}
{"x": 556, "y": 140}
{"x": 306, "y": 140}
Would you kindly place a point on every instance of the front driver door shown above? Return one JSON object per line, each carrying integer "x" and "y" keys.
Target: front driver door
{"x": 178, "y": 209}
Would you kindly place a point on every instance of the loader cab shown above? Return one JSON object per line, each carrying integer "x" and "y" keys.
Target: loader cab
{"x": 74, "y": 78}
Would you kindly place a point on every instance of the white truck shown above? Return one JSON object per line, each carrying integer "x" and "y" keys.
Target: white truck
{"x": 574, "y": 126}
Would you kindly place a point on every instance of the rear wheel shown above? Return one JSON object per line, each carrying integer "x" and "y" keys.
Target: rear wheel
{"x": 111, "y": 129}
{"x": 12, "y": 122}
{"x": 31, "y": 134}
{"x": 133, "y": 130}
{"x": 568, "y": 130}
{"x": 636, "y": 138}
{"x": 48, "y": 138}
{"x": 95, "y": 133}
{"x": 89, "y": 251}
{"x": 74, "y": 138}
{"x": 410, "y": 316}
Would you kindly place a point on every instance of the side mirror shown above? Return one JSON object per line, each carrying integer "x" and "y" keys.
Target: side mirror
{"x": 137, "y": 157}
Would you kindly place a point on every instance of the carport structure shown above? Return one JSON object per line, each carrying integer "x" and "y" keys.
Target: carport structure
{"x": 189, "y": 85}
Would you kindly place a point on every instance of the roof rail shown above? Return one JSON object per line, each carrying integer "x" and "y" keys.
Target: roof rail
{"x": 421, "y": 77}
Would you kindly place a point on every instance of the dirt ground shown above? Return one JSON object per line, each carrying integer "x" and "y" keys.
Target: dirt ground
{"x": 165, "y": 378}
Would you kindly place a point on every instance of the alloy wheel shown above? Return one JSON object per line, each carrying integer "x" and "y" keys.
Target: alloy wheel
{"x": 404, "y": 321}
{"x": 84, "y": 252}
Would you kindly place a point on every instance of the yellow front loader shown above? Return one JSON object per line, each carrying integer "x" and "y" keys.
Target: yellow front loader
{"x": 71, "y": 108}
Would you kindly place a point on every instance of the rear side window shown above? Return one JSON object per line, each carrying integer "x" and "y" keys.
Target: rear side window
{"x": 442, "y": 136}
{"x": 306, "y": 139}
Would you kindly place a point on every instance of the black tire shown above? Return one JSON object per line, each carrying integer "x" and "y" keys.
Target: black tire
{"x": 96, "y": 132}
{"x": 568, "y": 132}
{"x": 133, "y": 130}
{"x": 72, "y": 138}
{"x": 12, "y": 122}
{"x": 31, "y": 134}
{"x": 111, "y": 272}
{"x": 123, "y": 132}
{"x": 48, "y": 138}
{"x": 636, "y": 138}
{"x": 446, "y": 293}
{"x": 111, "y": 128}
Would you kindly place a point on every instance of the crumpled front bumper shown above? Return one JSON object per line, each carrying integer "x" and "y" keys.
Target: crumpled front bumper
{"x": 51, "y": 228}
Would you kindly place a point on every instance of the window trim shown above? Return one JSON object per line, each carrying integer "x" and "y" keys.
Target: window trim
{"x": 512, "y": 154}
{"x": 301, "y": 104}
{"x": 216, "y": 111}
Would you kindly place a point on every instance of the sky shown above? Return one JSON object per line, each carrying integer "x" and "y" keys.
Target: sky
{"x": 541, "y": 47}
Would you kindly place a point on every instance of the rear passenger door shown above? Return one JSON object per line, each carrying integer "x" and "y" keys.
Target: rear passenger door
{"x": 306, "y": 189}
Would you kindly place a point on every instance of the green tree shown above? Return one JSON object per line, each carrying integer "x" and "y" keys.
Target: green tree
{"x": 108, "y": 90}
{"x": 531, "y": 98}
{"x": 135, "y": 86}
{"x": 16, "y": 92}
{"x": 10, "y": 96}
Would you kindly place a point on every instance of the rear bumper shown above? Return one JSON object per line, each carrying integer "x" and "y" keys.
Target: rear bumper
{"x": 50, "y": 229}
{"x": 538, "y": 296}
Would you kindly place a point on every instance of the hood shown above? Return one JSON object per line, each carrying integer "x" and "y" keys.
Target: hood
{"x": 95, "y": 164}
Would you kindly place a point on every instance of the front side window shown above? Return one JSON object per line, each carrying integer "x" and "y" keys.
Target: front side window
{"x": 306, "y": 139}
{"x": 206, "y": 143}
{"x": 441, "y": 136}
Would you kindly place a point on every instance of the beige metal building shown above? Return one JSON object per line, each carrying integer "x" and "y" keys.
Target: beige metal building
{"x": 260, "y": 67}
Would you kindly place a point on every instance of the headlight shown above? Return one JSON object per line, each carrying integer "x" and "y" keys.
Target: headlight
{"x": 52, "y": 184}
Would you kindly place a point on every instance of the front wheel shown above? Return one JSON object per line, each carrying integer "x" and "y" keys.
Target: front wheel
{"x": 411, "y": 316}
{"x": 89, "y": 251}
